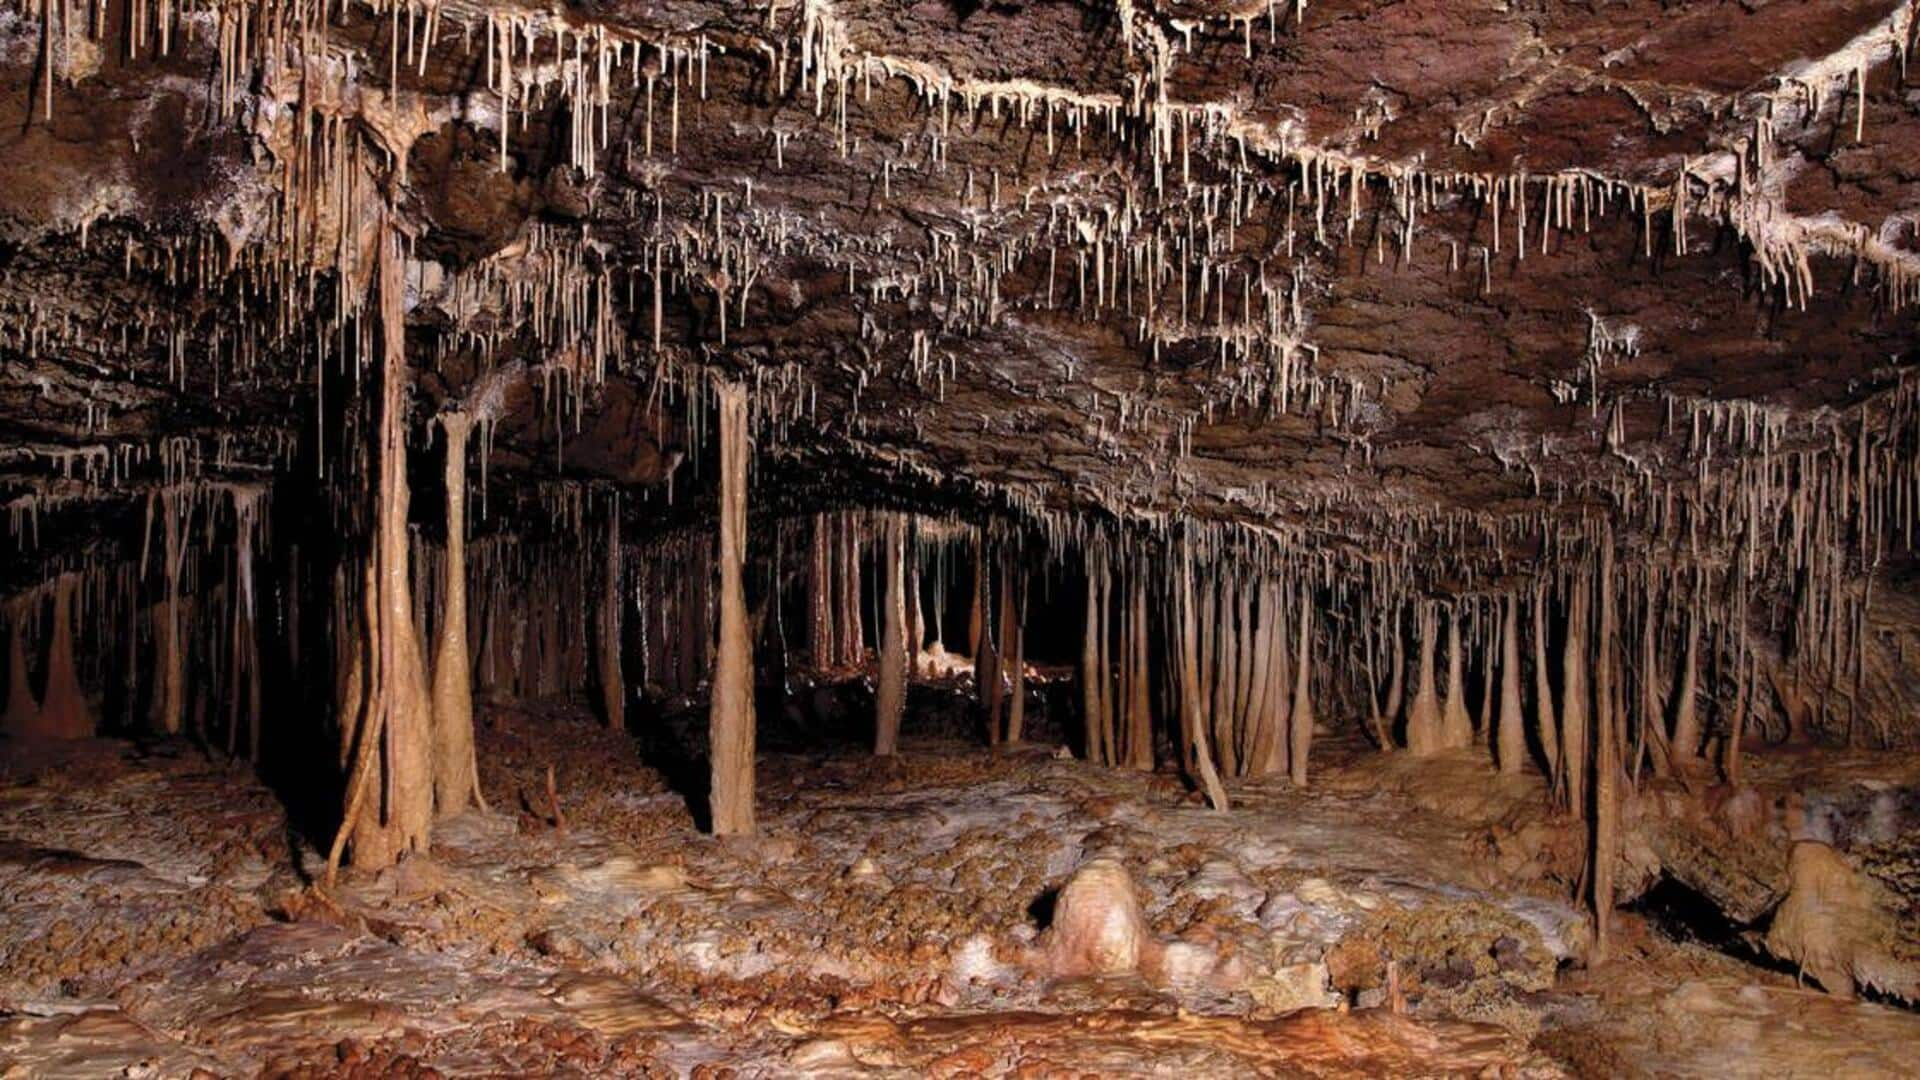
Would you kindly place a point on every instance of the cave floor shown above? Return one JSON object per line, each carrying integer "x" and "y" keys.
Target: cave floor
{"x": 888, "y": 920}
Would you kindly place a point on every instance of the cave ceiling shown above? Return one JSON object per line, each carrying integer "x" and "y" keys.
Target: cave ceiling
{"x": 1355, "y": 273}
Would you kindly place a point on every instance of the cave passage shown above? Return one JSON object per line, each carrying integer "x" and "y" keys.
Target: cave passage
{"x": 838, "y": 539}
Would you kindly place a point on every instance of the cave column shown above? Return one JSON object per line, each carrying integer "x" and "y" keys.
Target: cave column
{"x": 389, "y": 808}
{"x": 1549, "y": 726}
{"x": 1686, "y": 711}
{"x": 890, "y": 698}
{"x": 1093, "y": 677}
{"x": 1139, "y": 688}
{"x": 1456, "y": 725}
{"x": 1510, "y": 741}
{"x": 1423, "y": 712}
{"x": 1015, "y": 636}
{"x": 1573, "y": 703}
{"x": 613, "y": 683}
{"x": 1606, "y": 768}
{"x": 170, "y": 660}
{"x": 456, "y": 782}
{"x": 23, "y": 712}
{"x": 731, "y": 728}
{"x": 820, "y": 631}
{"x": 1301, "y": 719}
{"x": 1192, "y": 724}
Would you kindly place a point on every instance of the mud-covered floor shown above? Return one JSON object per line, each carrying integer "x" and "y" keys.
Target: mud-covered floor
{"x": 891, "y": 919}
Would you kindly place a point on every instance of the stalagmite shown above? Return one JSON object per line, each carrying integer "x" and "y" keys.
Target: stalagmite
{"x": 23, "y": 711}
{"x": 389, "y": 806}
{"x": 1686, "y": 714}
{"x": 1510, "y": 744}
{"x": 1424, "y": 735}
{"x": 64, "y": 710}
{"x": 890, "y": 699}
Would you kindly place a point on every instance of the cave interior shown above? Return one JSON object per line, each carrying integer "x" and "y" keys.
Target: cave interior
{"x": 957, "y": 538}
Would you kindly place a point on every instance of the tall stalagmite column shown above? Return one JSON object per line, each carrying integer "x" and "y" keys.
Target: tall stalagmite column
{"x": 890, "y": 699}
{"x": 1139, "y": 689}
{"x": 1192, "y": 724}
{"x": 1686, "y": 712}
{"x": 820, "y": 591}
{"x": 170, "y": 659}
{"x": 1423, "y": 712}
{"x": 613, "y": 683}
{"x": 23, "y": 711}
{"x": 1510, "y": 744}
{"x": 1300, "y": 721}
{"x": 64, "y": 712}
{"x": 1015, "y": 638}
{"x": 1456, "y": 724}
{"x": 1606, "y": 766}
{"x": 455, "y": 783}
{"x": 731, "y": 730}
{"x": 1093, "y": 680}
{"x": 1573, "y": 703}
{"x": 390, "y": 790}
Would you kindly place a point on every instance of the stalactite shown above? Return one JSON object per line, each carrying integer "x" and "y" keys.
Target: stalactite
{"x": 890, "y": 699}
{"x": 731, "y": 723}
